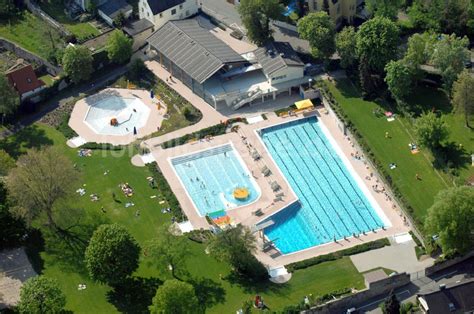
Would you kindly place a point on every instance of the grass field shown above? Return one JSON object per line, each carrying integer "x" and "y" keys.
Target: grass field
{"x": 223, "y": 295}
{"x": 419, "y": 193}
{"x": 56, "y": 10}
{"x": 47, "y": 79}
{"x": 31, "y": 33}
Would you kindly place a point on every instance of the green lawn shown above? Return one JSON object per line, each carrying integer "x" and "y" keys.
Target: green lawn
{"x": 47, "y": 79}
{"x": 31, "y": 33}
{"x": 56, "y": 10}
{"x": 419, "y": 193}
{"x": 224, "y": 295}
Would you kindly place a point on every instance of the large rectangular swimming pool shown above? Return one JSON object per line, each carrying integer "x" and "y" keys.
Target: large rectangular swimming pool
{"x": 210, "y": 178}
{"x": 331, "y": 202}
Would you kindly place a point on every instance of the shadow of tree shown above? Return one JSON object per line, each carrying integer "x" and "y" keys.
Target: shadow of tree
{"x": 68, "y": 245}
{"x": 34, "y": 246}
{"x": 208, "y": 292}
{"x": 253, "y": 286}
{"x": 30, "y": 137}
{"x": 134, "y": 295}
{"x": 451, "y": 156}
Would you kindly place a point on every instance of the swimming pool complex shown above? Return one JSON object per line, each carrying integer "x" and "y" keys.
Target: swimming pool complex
{"x": 211, "y": 177}
{"x": 331, "y": 202}
{"x": 129, "y": 113}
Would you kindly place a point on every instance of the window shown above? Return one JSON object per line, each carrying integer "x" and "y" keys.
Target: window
{"x": 180, "y": 6}
{"x": 173, "y": 12}
{"x": 187, "y": 13}
{"x": 276, "y": 78}
{"x": 315, "y": 4}
{"x": 161, "y": 15}
{"x": 338, "y": 10}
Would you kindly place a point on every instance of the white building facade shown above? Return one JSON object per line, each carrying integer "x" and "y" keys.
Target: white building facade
{"x": 161, "y": 11}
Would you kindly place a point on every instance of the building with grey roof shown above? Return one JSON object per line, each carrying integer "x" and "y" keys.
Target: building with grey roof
{"x": 453, "y": 298}
{"x": 161, "y": 11}
{"x": 206, "y": 64}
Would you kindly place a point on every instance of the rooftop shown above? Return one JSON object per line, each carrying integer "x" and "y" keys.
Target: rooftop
{"x": 24, "y": 79}
{"x": 136, "y": 27}
{"x": 455, "y": 298}
{"x": 193, "y": 48}
{"x": 113, "y": 8}
{"x": 158, "y": 6}
{"x": 277, "y": 55}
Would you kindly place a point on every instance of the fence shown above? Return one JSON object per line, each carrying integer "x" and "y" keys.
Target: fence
{"x": 29, "y": 56}
{"x": 36, "y": 10}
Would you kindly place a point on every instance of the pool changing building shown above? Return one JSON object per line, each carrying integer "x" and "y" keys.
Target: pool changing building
{"x": 217, "y": 73}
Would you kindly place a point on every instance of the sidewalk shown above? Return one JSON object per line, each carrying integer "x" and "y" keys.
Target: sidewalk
{"x": 210, "y": 116}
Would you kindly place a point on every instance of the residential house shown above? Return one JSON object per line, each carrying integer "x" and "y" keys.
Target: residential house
{"x": 161, "y": 11}
{"x": 339, "y": 10}
{"x": 452, "y": 298}
{"x": 111, "y": 9}
{"x": 24, "y": 80}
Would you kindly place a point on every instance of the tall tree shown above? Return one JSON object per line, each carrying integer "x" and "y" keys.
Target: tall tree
{"x": 376, "y": 45}
{"x": 41, "y": 179}
{"x": 399, "y": 79}
{"x": 384, "y": 8}
{"x": 346, "y": 46}
{"x": 112, "y": 254}
{"x": 6, "y": 163}
{"x": 419, "y": 51}
{"x": 12, "y": 229}
{"x": 9, "y": 98}
{"x": 41, "y": 295}
{"x": 319, "y": 29}
{"x": 175, "y": 297}
{"x": 431, "y": 130}
{"x": 452, "y": 218}
{"x": 449, "y": 56}
{"x": 77, "y": 63}
{"x": 463, "y": 95}
{"x": 7, "y": 8}
{"x": 169, "y": 252}
{"x": 256, "y": 16}
{"x": 391, "y": 304}
{"x": 119, "y": 47}
{"x": 235, "y": 246}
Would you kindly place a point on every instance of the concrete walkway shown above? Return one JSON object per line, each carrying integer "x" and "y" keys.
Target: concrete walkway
{"x": 210, "y": 116}
{"x": 399, "y": 257}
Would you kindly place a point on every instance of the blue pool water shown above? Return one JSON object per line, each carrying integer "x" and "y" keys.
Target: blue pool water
{"x": 211, "y": 176}
{"x": 331, "y": 204}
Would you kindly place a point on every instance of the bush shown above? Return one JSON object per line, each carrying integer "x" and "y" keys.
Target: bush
{"x": 285, "y": 110}
{"x": 102, "y": 146}
{"x": 160, "y": 181}
{"x": 339, "y": 254}
{"x": 199, "y": 236}
{"x": 64, "y": 127}
{"x": 214, "y": 130}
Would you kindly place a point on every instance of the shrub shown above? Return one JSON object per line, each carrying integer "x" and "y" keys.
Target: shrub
{"x": 102, "y": 146}
{"x": 64, "y": 127}
{"x": 339, "y": 254}
{"x": 166, "y": 192}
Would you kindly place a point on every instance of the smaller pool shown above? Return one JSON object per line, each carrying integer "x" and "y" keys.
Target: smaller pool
{"x": 128, "y": 113}
{"x": 214, "y": 177}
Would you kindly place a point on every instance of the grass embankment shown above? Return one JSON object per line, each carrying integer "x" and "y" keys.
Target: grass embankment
{"x": 223, "y": 295}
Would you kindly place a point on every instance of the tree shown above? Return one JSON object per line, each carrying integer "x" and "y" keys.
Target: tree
{"x": 6, "y": 163}
{"x": 137, "y": 69}
{"x": 119, "y": 47}
{"x": 41, "y": 179}
{"x": 391, "y": 304}
{"x": 451, "y": 217}
{"x": 174, "y": 297}
{"x": 7, "y": 8}
{"x": 384, "y": 8}
{"x": 419, "y": 51}
{"x": 463, "y": 95}
{"x": 319, "y": 29}
{"x": 119, "y": 20}
{"x": 346, "y": 46}
{"x": 169, "y": 251}
{"x": 431, "y": 130}
{"x": 12, "y": 229}
{"x": 112, "y": 254}
{"x": 235, "y": 246}
{"x": 256, "y": 16}
{"x": 376, "y": 45}
{"x": 41, "y": 295}
{"x": 449, "y": 56}
{"x": 77, "y": 63}
{"x": 9, "y": 99}
{"x": 399, "y": 79}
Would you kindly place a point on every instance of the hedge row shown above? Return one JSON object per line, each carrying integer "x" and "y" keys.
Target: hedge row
{"x": 165, "y": 190}
{"x": 339, "y": 254}
{"x": 102, "y": 146}
{"x": 367, "y": 150}
{"x": 315, "y": 301}
{"x": 215, "y": 130}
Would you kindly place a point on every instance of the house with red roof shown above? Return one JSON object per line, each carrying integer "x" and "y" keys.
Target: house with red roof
{"x": 24, "y": 80}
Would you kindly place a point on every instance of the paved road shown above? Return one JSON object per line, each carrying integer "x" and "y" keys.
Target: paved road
{"x": 67, "y": 95}
{"x": 408, "y": 292}
{"x": 227, "y": 14}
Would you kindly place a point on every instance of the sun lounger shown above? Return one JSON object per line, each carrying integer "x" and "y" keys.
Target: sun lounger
{"x": 275, "y": 186}
{"x": 265, "y": 171}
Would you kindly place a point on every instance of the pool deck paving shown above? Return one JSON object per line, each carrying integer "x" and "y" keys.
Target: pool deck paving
{"x": 266, "y": 202}
{"x": 81, "y": 108}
